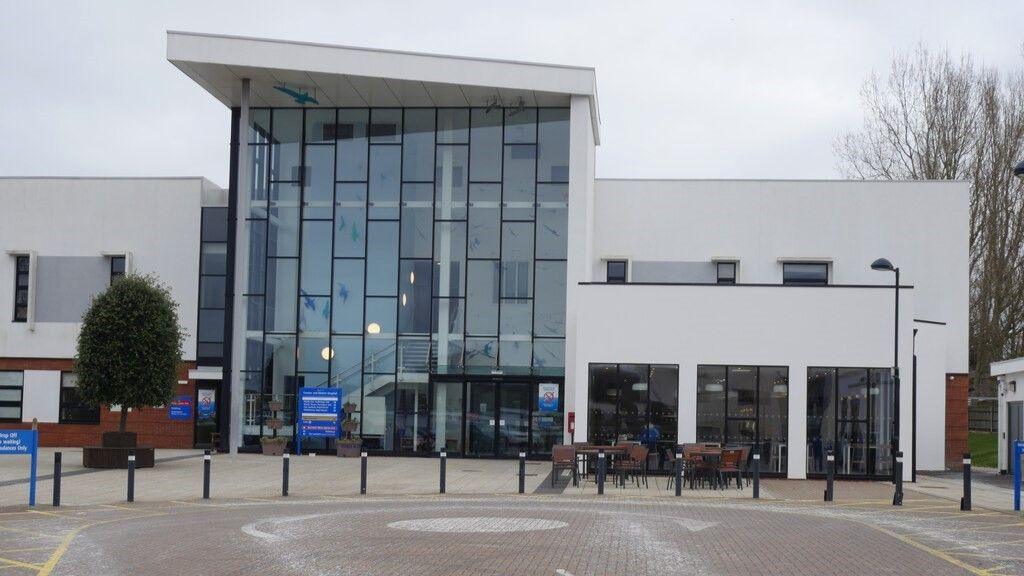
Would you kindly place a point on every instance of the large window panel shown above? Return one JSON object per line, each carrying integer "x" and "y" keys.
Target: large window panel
{"x": 452, "y": 125}
{"x": 11, "y": 390}
{"x": 320, "y": 125}
{"x": 283, "y": 221}
{"x": 482, "y": 298}
{"x": 517, "y": 260}
{"x": 552, "y": 220}
{"x": 286, "y": 144}
{"x": 382, "y": 259}
{"x": 418, "y": 145}
{"x": 350, "y": 220}
{"x": 314, "y": 314}
{"x": 481, "y": 352}
{"x": 484, "y": 220}
{"x": 386, "y": 125}
{"x": 451, "y": 180}
{"x": 318, "y": 191}
{"x": 417, "y": 220}
{"x": 316, "y": 258}
{"x": 549, "y": 301}
{"x": 520, "y": 125}
{"x": 485, "y": 142}
{"x": 385, "y": 181}
{"x": 548, "y": 354}
{"x": 449, "y": 258}
{"x": 313, "y": 354}
{"x": 282, "y": 292}
{"x": 553, "y": 145}
{"x": 821, "y": 424}
{"x": 347, "y": 297}
{"x": 351, "y": 145}
{"x": 347, "y": 367}
{"x": 414, "y": 297}
{"x": 519, "y": 182}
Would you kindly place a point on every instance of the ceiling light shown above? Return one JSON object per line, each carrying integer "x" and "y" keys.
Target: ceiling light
{"x": 373, "y": 328}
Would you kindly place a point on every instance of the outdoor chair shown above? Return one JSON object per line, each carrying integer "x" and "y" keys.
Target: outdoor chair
{"x": 729, "y": 467}
{"x": 563, "y": 458}
{"x": 635, "y": 463}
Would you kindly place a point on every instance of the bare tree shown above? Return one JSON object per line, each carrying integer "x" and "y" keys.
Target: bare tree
{"x": 939, "y": 118}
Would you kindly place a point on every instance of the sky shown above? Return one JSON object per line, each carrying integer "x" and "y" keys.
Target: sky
{"x": 739, "y": 89}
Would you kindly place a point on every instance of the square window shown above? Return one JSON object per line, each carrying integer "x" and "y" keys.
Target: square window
{"x": 726, "y": 272}
{"x": 805, "y": 274}
{"x": 617, "y": 271}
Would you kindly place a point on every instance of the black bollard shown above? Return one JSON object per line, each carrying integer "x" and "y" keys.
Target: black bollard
{"x": 56, "y": 478}
{"x": 679, "y": 474}
{"x": 757, "y": 474}
{"x": 522, "y": 472}
{"x": 284, "y": 473}
{"x": 965, "y": 502}
{"x": 444, "y": 460}
{"x": 897, "y": 496}
{"x": 362, "y": 473}
{"x": 600, "y": 471}
{"x": 131, "y": 476}
{"x": 831, "y": 471}
{"x": 206, "y": 475}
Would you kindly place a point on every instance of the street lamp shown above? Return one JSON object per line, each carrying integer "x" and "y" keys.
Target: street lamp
{"x": 883, "y": 265}
{"x": 1018, "y": 170}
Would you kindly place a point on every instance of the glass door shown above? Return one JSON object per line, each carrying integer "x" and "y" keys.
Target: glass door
{"x": 513, "y": 419}
{"x": 481, "y": 418}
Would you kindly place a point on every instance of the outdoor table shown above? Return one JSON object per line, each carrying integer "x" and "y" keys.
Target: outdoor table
{"x": 594, "y": 450}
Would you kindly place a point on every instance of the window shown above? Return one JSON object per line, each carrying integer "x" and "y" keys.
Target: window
{"x": 745, "y": 406}
{"x": 72, "y": 409}
{"x": 21, "y": 289}
{"x": 635, "y": 402}
{"x": 850, "y": 410}
{"x": 805, "y": 274}
{"x": 616, "y": 271}
{"x": 11, "y": 386}
{"x": 117, "y": 268}
{"x": 726, "y": 272}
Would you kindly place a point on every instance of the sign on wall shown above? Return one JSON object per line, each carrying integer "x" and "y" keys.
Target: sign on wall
{"x": 547, "y": 397}
{"x": 206, "y": 406}
{"x": 180, "y": 408}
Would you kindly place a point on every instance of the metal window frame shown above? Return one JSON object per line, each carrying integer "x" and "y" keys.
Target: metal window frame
{"x": 64, "y": 405}
{"x": 21, "y": 401}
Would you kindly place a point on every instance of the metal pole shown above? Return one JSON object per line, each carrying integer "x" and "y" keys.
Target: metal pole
{"x": 206, "y": 475}
{"x": 600, "y": 472}
{"x": 56, "y": 478}
{"x": 284, "y": 473}
{"x": 362, "y": 473}
{"x": 522, "y": 472}
{"x": 897, "y": 497}
{"x": 896, "y": 377}
{"x": 444, "y": 460}
{"x": 679, "y": 474}
{"x": 1016, "y": 475}
{"x": 965, "y": 502}
{"x": 131, "y": 476}
{"x": 757, "y": 473}
{"x": 831, "y": 472}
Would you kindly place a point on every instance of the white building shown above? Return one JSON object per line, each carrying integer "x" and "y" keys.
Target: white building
{"x": 426, "y": 234}
{"x": 1010, "y": 375}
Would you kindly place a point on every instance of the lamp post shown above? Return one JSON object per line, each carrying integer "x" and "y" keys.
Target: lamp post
{"x": 883, "y": 265}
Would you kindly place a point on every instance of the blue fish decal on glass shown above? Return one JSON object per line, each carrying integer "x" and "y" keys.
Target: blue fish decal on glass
{"x": 343, "y": 293}
{"x": 552, "y": 230}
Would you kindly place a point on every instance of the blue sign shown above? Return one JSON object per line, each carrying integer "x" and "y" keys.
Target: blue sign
{"x": 319, "y": 412}
{"x": 206, "y": 407}
{"x": 180, "y": 408}
{"x": 1018, "y": 453}
{"x": 547, "y": 397}
{"x": 15, "y": 442}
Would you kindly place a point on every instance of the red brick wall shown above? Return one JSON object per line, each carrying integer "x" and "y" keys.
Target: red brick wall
{"x": 957, "y": 386}
{"x": 151, "y": 424}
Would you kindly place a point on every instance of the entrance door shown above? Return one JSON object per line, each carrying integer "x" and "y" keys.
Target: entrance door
{"x": 1014, "y": 425}
{"x": 206, "y": 416}
{"x": 497, "y": 419}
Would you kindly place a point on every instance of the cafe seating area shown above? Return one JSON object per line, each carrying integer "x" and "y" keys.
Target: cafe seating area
{"x": 704, "y": 465}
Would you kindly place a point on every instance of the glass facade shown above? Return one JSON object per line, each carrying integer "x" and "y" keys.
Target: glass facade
{"x": 391, "y": 245}
{"x": 850, "y": 410}
{"x": 746, "y": 406}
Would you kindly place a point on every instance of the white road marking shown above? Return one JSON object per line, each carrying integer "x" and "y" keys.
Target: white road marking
{"x": 695, "y": 525}
{"x": 562, "y": 572}
{"x": 252, "y": 530}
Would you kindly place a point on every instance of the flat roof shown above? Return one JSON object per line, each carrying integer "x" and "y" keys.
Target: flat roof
{"x": 1005, "y": 367}
{"x": 341, "y": 76}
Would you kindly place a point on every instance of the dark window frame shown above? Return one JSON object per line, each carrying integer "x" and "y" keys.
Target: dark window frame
{"x": 617, "y": 278}
{"x": 115, "y": 272}
{"x": 719, "y": 278}
{"x": 797, "y": 282}
{"x": 20, "y": 403}
{"x": 66, "y": 405}
{"x": 20, "y": 313}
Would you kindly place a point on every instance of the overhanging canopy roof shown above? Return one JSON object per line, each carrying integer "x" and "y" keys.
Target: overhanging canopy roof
{"x": 348, "y": 76}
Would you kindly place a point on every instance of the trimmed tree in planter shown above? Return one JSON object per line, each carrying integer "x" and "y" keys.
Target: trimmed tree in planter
{"x": 129, "y": 353}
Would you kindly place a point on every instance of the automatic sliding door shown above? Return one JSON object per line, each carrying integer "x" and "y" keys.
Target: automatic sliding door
{"x": 513, "y": 418}
{"x": 481, "y": 418}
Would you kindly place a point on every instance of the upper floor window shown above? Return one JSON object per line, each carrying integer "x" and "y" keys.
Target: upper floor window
{"x": 117, "y": 267}
{"x": 21, "y": 289}
{"x": 11, "y": 387}
{"x": 617, "y": 271}
{"x": 72, "y": 409}
{"x": 805, "y": 273}
{"x": 726, "y": 272}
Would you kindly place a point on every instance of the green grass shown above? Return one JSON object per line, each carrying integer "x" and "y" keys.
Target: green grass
{"x": 983, "y": 449}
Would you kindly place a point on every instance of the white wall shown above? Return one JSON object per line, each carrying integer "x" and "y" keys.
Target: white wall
{"x": 922, "y": 227}
{"x": 41, "y": 396}
{"x": 1007, "y": 371}
{"x": 931, "y": 396}
{"x": 157, "y": 220}
{"x": 749, "y": 325}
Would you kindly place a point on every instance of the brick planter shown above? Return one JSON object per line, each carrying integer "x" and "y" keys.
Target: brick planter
{"x": 101, "y": 457}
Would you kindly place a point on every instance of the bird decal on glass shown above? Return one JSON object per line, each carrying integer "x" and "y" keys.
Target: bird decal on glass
{"x": 343, "y": 292}
{"x": 301, "y": 97}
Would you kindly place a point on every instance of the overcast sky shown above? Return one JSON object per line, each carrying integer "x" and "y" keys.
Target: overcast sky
{"x": 687, "y": 90}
